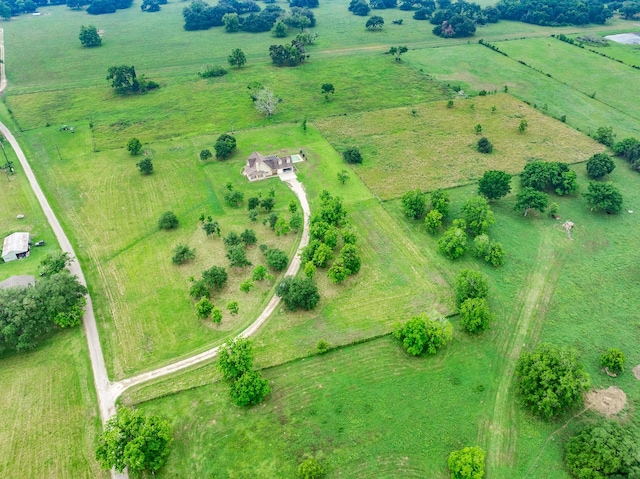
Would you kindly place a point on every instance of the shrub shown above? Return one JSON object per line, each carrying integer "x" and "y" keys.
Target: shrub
{"x": 168, "y": 220}
{"x": 249, "y": 389}
{"x": 182, "y": 253}
{"x": 233, "y": 307}
{"x": 484, "y": 145}
{"x": 496, "y": 254}
{"x": 246, "y": 286}
{"x": 248, "y": 237}
{"x": 414, "y": 204}
{"x": 216, "y": 315}
{"x": 338, "y": 272}
{"x": 204, "y": 308}
{"x": 440, "y": 201}
{"x": 208, "y": 71}
{"x": 276, "y": 259}
{"x": 467, "y": 463}
{"x": 322, "y": 346}
{"x": 352, "y": 155}
{"x": 424, "y": 335}
{"x": 310, "y": 469}
{"x": 205, "y": 155}
{"x": 134, "y": 146}
{"x": 215, "y": 277}
{"x": 470, "y": 284}
{"x": 259, "y": 273}
{"x": 145, "y": 166}
{"x": 453, "y": 243}
{"x": 433, "y": 221}
{"x": 475, "y": 315}
{"x": 199, "y": 290}
{"x": 613, "y": 360}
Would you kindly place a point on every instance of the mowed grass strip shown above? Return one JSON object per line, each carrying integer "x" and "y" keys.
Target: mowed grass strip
{"x": 603, "y": 79}
{"x": 367, "y": 411}
{"x": 188, "y": 105}
{"x": 436, "y": 146}
{"x": 475, "y": 68}
{"x": 50, "y": 418}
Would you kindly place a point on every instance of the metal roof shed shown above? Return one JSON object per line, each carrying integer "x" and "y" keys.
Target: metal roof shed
{"x": 15, "y": 246}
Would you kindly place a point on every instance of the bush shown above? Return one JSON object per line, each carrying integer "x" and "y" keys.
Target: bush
{"x": 209, "y": 71}
{"x": 248, "y": 237}
{"x": 246, "y": 286}
{"x": 337, "y": 272}
{"x": 249, "y": 389}
{"x": 182, "y": 253}
{"x": 496, "y": 254}
{"x": 205, "y": 155}
{"x": 475, "y": 315}
{"x": 204, "y": 308}
{"x": 134, "y": 146}
{"x": 168, "y": 220}
{"x": 259, "y": 273}
{"x": 351, "y": 259}
{"x": 477, "y": 215}
{"x": 310, "y": 469}
{"x": 433, "y": 221}
{"x": 424, "y": 335}
{"x": 453, "y": 243}
{"x": 484, "y": 145}
{"x": 414, "y": 204}
{"x": 467, "y": 463}
{"x": 145, "y": 166}
{"x": 215, "y": 277}
{"x": 613, "y": 360}
{"x": 600, "y": 165}
{"x": 322, "y": 346}
{"x": 550, "y": 380}
{"x": 470, "y": 284}
{"x": 199, "y": 290}
{"x": 440, "y": 201}
{"x": 352, "y": 155}
{"x": 298, "y": 293}
{"x": 481, "y": 246}
{"x": 276, "y": 259}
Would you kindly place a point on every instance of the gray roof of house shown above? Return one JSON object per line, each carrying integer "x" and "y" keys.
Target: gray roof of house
{"x": 17, "y": 282}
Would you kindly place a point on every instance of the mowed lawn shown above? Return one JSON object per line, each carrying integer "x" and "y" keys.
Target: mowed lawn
{"x": 629, "y": 54}
{"x": 141, "y": 298}
{"x": 50, "y": 418}
{"x": 475, "y": 67}
{"x": 435, "y": 147}
{"x": 606, "y": 80}
{"x": 16, "y": 199}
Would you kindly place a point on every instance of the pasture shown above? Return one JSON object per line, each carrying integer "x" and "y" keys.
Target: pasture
{"x": 49, "y": 411}
{"x": 431, "y": 146}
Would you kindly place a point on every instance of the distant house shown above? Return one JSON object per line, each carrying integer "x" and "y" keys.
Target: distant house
{"x": 18, "y": 282}
{"x": 16, "y": 246}
{"x": 259, "y": 167}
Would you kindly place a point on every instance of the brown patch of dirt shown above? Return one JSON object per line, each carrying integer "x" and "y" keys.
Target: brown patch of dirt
{"x": 608, "y": 402}
{"x": 636, "y": 372}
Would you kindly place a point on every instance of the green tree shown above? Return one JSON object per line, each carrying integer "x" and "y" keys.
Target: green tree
{"x": 604, "y": 196}
{"x": 322, "y": 255}
{"x": 530, "y": 199}
{"x": 422, "y": 334}
{"x": 613, "y": 359}
{"x": 374, "y": 22}
{"x": 296, "y": 221}
{"x": 414, "y": 204}
{"x": 182, "y": 253}
{"x": 5, "y": 11}
{"x": 337, "y": 273}
{"x": 440, "y": 201}
{"x": 259, "y": 273}
{"x": 199, "y": 290}
{"x": 484, "y": 145}
{"x": 603, "y": 450}
{"x": 281, "y": 227}
{"x": 310, "y": 468}
{"x": 550, "y": 380}
{"x": 134, "y": 440}
{"x": 54, "y": 263}
{"x": 467, "y": 463}
{"x": 350, "y": 257}
{"x": 477, "y": 215}
{"x": 397, "y": 52}
{"x": 234, "y": 199}
{"x": 134, "y": 146}
{"x": 523, "y": 126}
{"x": 470, "y": 284}
{"x": 327, "y": 89}
{"x": 605, "y": 136}
{"x": 237, "y": 256}
{"x": 145, "y": 166}
{"x": 352, "y": 155}
{"x": 89, "y": 36}
{"x": 235, "y": 359}
{"x": 249, "y": 389}
{"x": 494, "y": 184}
{"x": 168, "y": 220}
{"x": 204, "y": 307}
{"x": 496, "y": 254}
{"x": 600, "y": 165}
{"x": 224, "y": 146}
{"x": 215, "y": 277}
{"x": 433, "y": 221}
{"x": 123, "y": 79}
{"x": 248, "y": 237}
{"x": 205, "y": 155}
{"x": 276, "y": 259}
{"x": 246, "y": 286}
{"x": 475, "y": 316}
{"x": 298, "y": 293}
{"x": 237, "y": 58}
{"x": 231, "y": 22}
{"x": 233, "y": 307}
{"x": 279, "y": 30}
{"x": 267, "y": 204}
{"x": 216, "y": 315}
{"x": 309, "y": 269}
{"x": 211, "y": 227}
{"x": 453, "y": 243}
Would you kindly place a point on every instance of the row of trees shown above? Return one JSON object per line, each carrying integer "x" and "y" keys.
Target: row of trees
{"x": 56, "y": 300}
{"x": 247, "y": 387}
{"x": 550, "y": 12}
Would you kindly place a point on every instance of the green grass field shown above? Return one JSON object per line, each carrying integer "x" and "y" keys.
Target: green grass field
{"x": 436, "y": 146}
{"x": 49, "y": 410}
{"x": 629, "y": 54}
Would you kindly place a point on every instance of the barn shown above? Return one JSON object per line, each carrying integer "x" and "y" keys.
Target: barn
{"x": 16, "y": 246}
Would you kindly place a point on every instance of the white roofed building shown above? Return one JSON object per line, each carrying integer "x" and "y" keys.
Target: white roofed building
{"x": 16, "y": 246}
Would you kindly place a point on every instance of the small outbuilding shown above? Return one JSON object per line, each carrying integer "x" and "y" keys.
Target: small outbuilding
{"x": 18, "y": 282}
{"x": 16, "y": 246}
{"x": 259, "y": 167}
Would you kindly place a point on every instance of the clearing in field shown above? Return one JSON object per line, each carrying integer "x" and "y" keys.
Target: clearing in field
{"x": 436, "y": 146}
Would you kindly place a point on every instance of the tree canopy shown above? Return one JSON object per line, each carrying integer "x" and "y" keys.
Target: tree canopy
{"x": 477, "y": 215}
{"x": 604, "y": 196}
{"x": 600, "y": 165}
{"x": 423, "y": 335}
{"x": 494, "y": 184}
{"x": 352, "y": 155}
{"x": 237, "y": 58}
{"x": 550, "y": 175}
{"x": 374, "y": 22}
{"x": 168, "y": 220}
{"x": 530, "y": 199}
{"x": 467, "y": 463}
{"x": 550, "y": 380}
{"x": 236, "y": 359}
{"x": 89, "y": 36}
{"x": 224, "y": 146}
{"x": 470, "y": 284}
{"x": 288, "y": 55}
{"x": 134, "y": 440}
{"x": 298, "y": 293}
{"x": 414, "y": 204}
{"x": 551, "y": 12}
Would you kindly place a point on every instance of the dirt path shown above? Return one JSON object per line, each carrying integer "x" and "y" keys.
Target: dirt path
{"x": 527, "y": 314}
